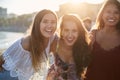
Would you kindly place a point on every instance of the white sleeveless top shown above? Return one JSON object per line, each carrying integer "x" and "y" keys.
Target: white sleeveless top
{"x": 18, "y": 62}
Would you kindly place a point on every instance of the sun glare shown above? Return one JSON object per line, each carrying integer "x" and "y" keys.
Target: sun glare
{"x": 76, "y": 1}
{"x": 94, "y": 1}
{"x": 88, "y": 1}
{"x": 28, "y": 6}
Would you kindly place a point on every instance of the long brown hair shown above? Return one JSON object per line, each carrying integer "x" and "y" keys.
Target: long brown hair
{"x": 99, "y": 20}
{"x": 80, "y": 49}
{"x": 37, "y": 39}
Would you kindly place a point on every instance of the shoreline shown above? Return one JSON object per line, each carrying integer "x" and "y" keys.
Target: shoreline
{"x": 13, "y": 29}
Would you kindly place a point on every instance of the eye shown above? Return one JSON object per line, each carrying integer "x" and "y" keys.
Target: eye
{"x": 53, "y": 22}
{"x": 117, "y": 12}
{"x": 108, "y": 11}
{"x": 74, "y": 30}
{"x": 66, "y": 30}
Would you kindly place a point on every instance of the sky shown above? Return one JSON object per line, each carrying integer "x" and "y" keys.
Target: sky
{"x": 28, "y": 6}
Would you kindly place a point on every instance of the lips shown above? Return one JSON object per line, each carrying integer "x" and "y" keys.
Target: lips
{"x": 111, "y": 20}
{"x": 48, "y": 30}
{"x": 70, "y": 40}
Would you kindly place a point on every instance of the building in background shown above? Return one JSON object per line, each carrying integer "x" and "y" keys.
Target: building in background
{"x": 3, "y": 12}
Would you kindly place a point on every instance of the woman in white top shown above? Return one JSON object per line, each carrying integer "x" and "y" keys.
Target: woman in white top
{"x": 29, "y": 55}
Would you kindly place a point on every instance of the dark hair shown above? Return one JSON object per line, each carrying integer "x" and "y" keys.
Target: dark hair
{"x": 37, "y": 39}
{"x": 99, "y": 20}
{"x": 80, "y": 49}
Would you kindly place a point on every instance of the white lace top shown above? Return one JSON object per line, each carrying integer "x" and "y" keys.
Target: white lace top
{"x": 18, "y": 62}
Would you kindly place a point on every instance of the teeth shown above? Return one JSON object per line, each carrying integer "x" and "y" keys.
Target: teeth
{"x": 70, "y": 40}
{"x": 49, "y": 30}
{"x": 111, "y": 20}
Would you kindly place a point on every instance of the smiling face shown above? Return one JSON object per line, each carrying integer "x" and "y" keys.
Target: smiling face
{"x": 48, "y": 25}
{"x": 111, "y": 15}
{"x": 69, "y": 32}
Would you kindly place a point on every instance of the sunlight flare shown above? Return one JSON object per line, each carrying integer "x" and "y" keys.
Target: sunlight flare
{"x": 88, "y": 1}
{"x": 94, "y": 1}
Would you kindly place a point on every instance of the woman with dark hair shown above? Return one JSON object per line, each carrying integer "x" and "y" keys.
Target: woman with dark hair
{"x": 29, "y": 54}
{"x": 105, "y": 43}
{"x": 72, "y": 51}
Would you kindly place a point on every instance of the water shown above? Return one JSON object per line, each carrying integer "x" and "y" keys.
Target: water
{"x": 7, "y": 38}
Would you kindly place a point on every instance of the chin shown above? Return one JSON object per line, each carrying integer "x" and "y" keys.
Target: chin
{"x": 70, "y": 44}
{"x": 47, "y": 36}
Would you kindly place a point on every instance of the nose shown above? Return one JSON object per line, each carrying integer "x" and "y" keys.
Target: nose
{"x": 70, "y": 34}
{"x": 49, "y": 24}
{"x": 112, "y": 14}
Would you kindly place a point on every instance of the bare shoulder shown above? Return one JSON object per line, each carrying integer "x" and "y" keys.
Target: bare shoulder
{"x": 25, "y": 42}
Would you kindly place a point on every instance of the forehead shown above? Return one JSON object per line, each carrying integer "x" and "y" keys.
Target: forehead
{"x": 49, "y": 16}
{"x": 70, "y": 25}
{"x": 111, "y": 6}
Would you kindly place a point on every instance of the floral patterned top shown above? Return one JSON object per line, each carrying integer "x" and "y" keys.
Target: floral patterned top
{"x": 62, "y": 70}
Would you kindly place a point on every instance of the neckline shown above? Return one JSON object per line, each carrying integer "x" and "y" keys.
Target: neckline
{"x": 63, "y": 61}
{"x": 116, "y": 47}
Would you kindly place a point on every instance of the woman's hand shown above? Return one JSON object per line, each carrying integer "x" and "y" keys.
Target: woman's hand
{"x": 51, "y": 75}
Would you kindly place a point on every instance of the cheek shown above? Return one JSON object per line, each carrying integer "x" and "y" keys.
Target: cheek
{"x": 62, "y": 34}
{"x": 119, "y": 18}
{"x": 55, "y": 25}
{"x": 55, "y": 28}
{"x": 76, "y": 37}
{"x": 41, "y": 30}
